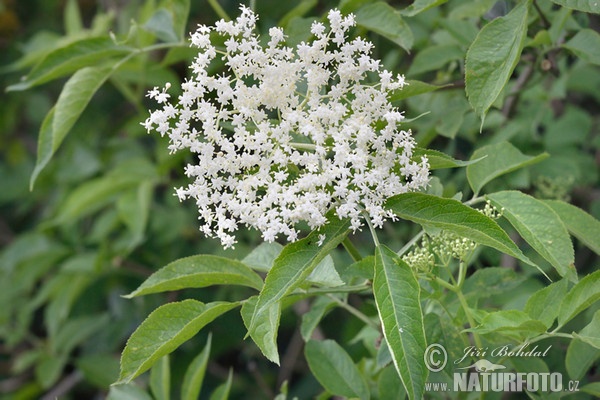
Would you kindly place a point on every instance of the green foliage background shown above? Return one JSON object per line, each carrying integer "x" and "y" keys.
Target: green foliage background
{"x": 87, "y": 210}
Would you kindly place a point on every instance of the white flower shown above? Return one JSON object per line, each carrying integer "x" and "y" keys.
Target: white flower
{"x": 286, "y": 134}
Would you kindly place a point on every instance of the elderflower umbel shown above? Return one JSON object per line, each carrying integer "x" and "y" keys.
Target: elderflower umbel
{"x": 286, "y": 134}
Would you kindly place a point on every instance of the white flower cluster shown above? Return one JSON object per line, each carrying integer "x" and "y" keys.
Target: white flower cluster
{"x": 286, "y": 134}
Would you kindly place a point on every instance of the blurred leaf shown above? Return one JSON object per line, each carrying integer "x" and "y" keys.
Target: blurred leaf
{"x": 541, "y": 306}
{"x": 165, "y": 329}
{"x": 68, "y": 288}
{"x": 581, "y": 296}
{"x": 196, "y": 272}
{"x": 335, "y": 370}
{"x": 418, "y": 6}
{"x": 73, "y": 22}
{"x": 127, "y": 392}
{"x": 134, "y": 207}
{"x": 453, "y": 216}
{"x": 265, "y": 329}
{"x": 100, "y": 369}
{"x": 510, "y": 323}
{"x": 194, "y": 375}
{"x": 491, "y": 281}
{"x": 73, "y": 100}
{"x": 49, "y": 368}
{"x": 493, "y": 56}
{"x": 222, "y": 392}
{"x": 389, "y": 385}
{"x": 76, "y": 330}
{"x": 590, "y": 334}
{"x": 296, "y": 261}
{"x": 584, "y": 45}
{"x": 161, "y": 24}
{"x": 299, "y": 10}
{"x": 581, "y": 224}
{"x": 397, "y": 295}
{"x": 580, "y": 358}
{"x": 539, "y": 225}
{"x": 311, "y": 318}
{"x": 590, "y": 6}
{"x": 160, "y": 379}
{"x": 496, "y": 160}
{"x": 439, "y": 160}
{"x": 433, "y": 58}
{"x": 180, "y": 9}
{"x": 71, "y": 58}
{"x": 383, "y": 19}
{"x": 411, "y": 89}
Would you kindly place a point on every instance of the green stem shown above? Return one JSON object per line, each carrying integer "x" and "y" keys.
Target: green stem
{"x": 219, "y": 10}
{"x": 355, "y": 312}
{"x": 465, "y": 306}
{"x": 351, "y": 249}
{"x": 340, "y": 289}
{"x": 372, "y": 230}
{"x": 462, "y": 273}
{"x": 411, "y": 243}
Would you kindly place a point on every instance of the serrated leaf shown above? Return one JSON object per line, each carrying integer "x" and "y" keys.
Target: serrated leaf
{"x": 385, "y": 20}
{"x": 539, "y": 225}
{"x": 266, "y": 326}
{"x": 165, "y": 329}
{"x": 335, "y": 370}
{"x": 397, "y": 296}
{"x": 160, "y": 379}
{"x": 581, "y": 296}
{"x": 413, "y": 88}
{"x": 418, "y": 6}
{"x": 71, "y": 58}
{"x": 510, "y": 323}
{"x": 590, "y": 6}
{"x": 581, "y": 224}
{"x": 453, "y": 216}
{"x": 590, "y": 334}
{"x": 585, "y": 44}
{"x": 496, "y": 160}
{"x": 196, "y": 272}
{"x": 493, "y": 56}
{"x": 439, "y": 160}
{"x": 194, "y": 375}
{"x": 222, "y": 392}
{"x": 541, "y": 306}
{"x": 73, "y": 99}
{"x": 296, "y": 261}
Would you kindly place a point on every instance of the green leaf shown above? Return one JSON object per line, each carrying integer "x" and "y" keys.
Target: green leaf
{"x": 389, "y": 385}
{"x": 413, "y": 88}
{"x": 222, "y": 392}
{"x": 325, "y": 274}
{"x": 579, "y": 358}
{"x": 590, "y": 6}
{"x": 262, "y": 257}
{"x": 196, "y": 272}
{"x": 127, "y": 392}
{"x": 433, "y": 58}
{"x": 160, "y": 379}
{"x": 100, "y": 369}
{"x": 591, "y": 388}
{"x": 581, "y": 296}
{"x": 266, "y": 324}
{"x": 311, "y": 318}
{"x": 590, "y": 334}
{"x": 73, "y": 22}
{"x": 541, "y": 305}
{"x": 194, "y": 375}
{"x": 133, "y": 208}
{"x": 418, "y": 6}
{"x": 585, "y": 44}
{"x": 455, "y": 217}
{"x": 75, "y": 331}
{"x": 71, "y": 58}
{"x": 165, "y": 329}
{"x": 493, "y": 56}
{"x": 383, "y": 19}
{"x": 49, "y": 369}
{"x": 510, "y": 323}
{"x": 491, "y": 281}
{"x": 296, "y": 261}
{"x": 162, "y": 26}
{"x": 496, "y": 160}
{"x": 581, "y": 224}
{"x": 439, "y": 160}
{"x": 335, "y": 370}
{"x": 397, "y": 296}
{"x": 539, "y": 225}
{"x": 180, "y": 10}
{"x": 299, "y": 10}
{"x": 73, "y": 99}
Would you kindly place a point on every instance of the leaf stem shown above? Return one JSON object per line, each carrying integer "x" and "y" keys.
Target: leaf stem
{"x": 219, "y": 10}
{"x": 355, "y": 312}
{"x": 472, "y": 324}
{"x": 411, "y": 243}
{"x": 351, "y": 249}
